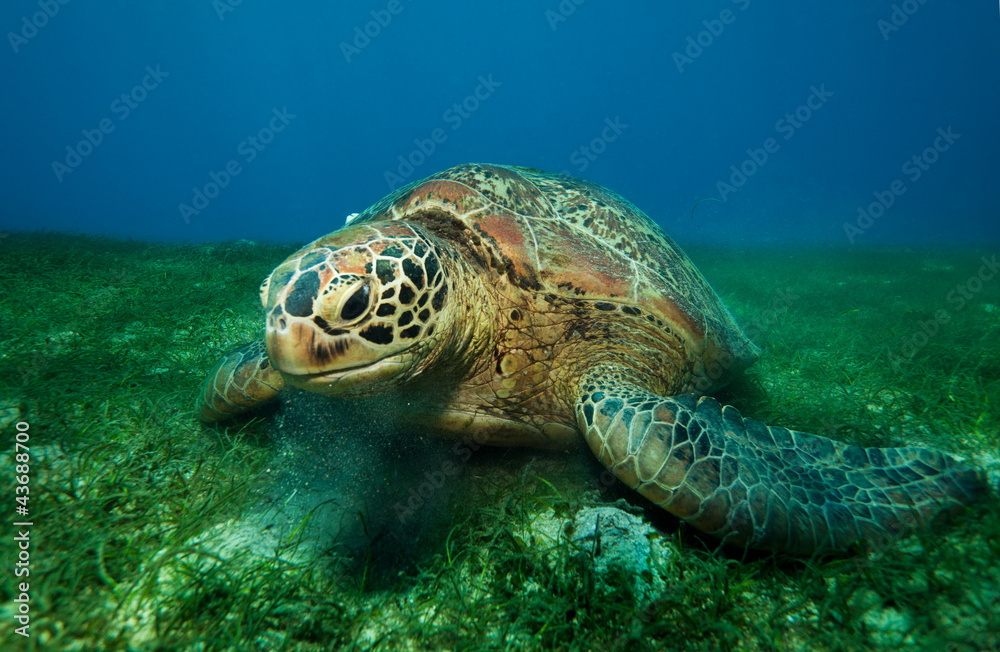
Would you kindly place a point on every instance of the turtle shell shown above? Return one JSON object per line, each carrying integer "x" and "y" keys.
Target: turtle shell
{"x": 568, "y": 238}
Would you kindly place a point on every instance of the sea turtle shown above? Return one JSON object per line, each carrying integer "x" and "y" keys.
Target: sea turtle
{"x": 521, "y": 308}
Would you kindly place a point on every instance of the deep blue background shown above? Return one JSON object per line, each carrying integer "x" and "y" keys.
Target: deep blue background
{"x": 558, "y": 83}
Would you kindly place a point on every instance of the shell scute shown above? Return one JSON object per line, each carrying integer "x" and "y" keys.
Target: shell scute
{"x": 569, "y": 238}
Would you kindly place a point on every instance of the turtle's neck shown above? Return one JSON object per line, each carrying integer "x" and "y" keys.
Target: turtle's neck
{"x": 468, "y": 331}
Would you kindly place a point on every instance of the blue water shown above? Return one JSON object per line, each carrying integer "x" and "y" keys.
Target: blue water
{"x": 220, "y": 120}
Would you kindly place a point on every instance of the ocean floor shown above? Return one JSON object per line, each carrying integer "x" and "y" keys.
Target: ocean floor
{"x": 332, "y": 525}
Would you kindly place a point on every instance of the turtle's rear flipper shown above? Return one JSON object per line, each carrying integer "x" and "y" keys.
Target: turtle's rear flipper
{"x": 766, "y": 487}
{"x": 242, "y": 380}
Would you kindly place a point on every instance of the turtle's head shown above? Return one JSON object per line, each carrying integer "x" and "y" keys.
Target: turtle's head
{"x": 357, "y": 311}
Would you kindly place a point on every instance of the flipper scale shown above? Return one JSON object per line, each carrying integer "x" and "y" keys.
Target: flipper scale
{"x": 241, "y": 381}
{"x": 763, "y": 486}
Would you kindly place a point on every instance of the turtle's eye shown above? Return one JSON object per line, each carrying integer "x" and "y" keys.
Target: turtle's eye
{"x": 356, "y": 304}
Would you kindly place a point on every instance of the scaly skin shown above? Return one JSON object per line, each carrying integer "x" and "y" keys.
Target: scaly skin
{"x": 242, "y": 380}
{"x": 762, "y": 486}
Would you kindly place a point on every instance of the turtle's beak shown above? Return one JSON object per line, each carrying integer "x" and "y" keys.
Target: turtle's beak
{"x": 303, "y": 345}
{"x": 292, "y": 345}
{"x": 312, "y": 328}
{"x": 300, "y": 347}
{"x": 326, "y": 360}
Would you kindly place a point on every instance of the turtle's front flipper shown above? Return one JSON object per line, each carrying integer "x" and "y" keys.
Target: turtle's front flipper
{"x": 242, "y": 380}
{"x": 760, "y": 486}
